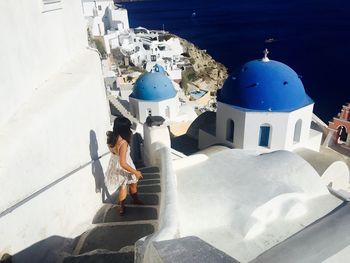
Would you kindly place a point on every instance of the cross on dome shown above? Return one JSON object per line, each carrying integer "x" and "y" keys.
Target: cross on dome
{"x": 265, "y": 58}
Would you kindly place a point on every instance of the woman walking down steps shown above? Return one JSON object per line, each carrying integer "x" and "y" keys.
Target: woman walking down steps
{"x": 121, "y": 172}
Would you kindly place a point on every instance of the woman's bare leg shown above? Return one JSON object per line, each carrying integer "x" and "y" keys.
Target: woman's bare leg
{"x": 133, "y": 188}
{"x": 122, "y": 193}
{"x": 134, "y": 195}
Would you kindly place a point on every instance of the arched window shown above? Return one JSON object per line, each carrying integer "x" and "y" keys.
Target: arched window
{"x": 297, "y": 131}
{"x": 264, "y": 135}
{"x": 230, "y": 130}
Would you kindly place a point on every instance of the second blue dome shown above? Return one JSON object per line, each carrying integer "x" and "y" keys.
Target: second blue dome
{"x": 264, "y": 86}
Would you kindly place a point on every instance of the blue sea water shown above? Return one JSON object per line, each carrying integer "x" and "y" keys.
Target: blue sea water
{"x": 311, "y": 36}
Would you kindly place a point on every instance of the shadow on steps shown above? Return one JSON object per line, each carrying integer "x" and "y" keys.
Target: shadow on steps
{"x": 101, "y": 256}
{"x": 150, "y": 169}
{"x": 132, "y": 213}
{"x": 113, "y": 237}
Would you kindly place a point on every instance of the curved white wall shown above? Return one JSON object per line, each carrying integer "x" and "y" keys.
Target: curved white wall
{"x": 243, "y": 203}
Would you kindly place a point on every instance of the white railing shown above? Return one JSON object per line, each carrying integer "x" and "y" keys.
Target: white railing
{"x": 168, "y": 220}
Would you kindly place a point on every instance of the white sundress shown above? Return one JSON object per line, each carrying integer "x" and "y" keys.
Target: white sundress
{"x": 115, "y": 175}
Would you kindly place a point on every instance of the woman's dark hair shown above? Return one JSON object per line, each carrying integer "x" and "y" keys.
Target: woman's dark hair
{"x": 111, "y": 138}
{"x": 121, "y": 127}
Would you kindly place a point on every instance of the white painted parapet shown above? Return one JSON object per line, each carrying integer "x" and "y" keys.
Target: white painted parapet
{"x": 168, "y": 216}
{"x": 152, "y": 137}
{"x": 337, "y": 179}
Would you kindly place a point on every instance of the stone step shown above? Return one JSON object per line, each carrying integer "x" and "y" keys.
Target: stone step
{"x": 147, "y": 198}
{"x": 109, "y": 213}
{"x": 101, "y": 256}
{"x": 149, "y": 189}
{"x": 113, "y": 237}
{"x": 139, "y": 165}
{"x": 132, "y": 213}
{"x": 147, "y": 176}
{"x": 149, "y": 169}
{"x": 148, "y": 182}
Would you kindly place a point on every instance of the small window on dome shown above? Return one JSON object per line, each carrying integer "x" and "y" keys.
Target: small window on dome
{"x": 285, "y": 83}
{"x": 253, "y": 85}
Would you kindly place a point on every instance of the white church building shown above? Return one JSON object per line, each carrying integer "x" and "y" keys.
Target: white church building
{"x": 154, "y": 95}
{"x": 263, "y": 105}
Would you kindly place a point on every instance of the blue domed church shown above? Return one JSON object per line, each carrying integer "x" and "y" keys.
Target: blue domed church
{"x": 263, "y": 104}
{"x": 154, "y": 95}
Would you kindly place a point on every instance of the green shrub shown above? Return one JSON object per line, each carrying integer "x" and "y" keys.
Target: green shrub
{"x": 100, "y": 47}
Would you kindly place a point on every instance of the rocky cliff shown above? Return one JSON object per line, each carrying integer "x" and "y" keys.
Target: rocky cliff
{"x": 207, "y": 72}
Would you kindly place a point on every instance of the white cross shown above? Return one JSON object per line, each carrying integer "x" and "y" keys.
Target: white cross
{"x": 265, "y": 58}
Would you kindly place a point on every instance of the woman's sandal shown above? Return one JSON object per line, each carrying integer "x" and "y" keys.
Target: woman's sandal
{"x": 121, "y": 208}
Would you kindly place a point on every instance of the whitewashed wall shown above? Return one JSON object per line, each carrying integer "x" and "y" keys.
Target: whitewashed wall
{"x": 54, "y": 115}
{"x": 258, "y": 201}
{"x": 119, "y": 15}
{"x": 224, "y": 113}
{"x": 139, "y": 108}
{"x": 98, "y": 27}
{"x": 34, "y": 46}
{"x": 89, "y": 5}
{"x": 62, "y": 128}
{"x": 247, "y": 127}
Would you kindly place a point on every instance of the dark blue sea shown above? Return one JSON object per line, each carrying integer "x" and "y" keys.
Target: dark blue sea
{"x": 311, "y": 36}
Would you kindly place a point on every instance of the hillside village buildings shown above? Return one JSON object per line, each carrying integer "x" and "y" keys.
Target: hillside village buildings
{"x": 143, "y": 47}
{"x": 254, "y": 192}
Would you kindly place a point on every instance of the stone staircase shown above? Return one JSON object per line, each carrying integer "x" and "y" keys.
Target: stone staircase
{"x": 121, "y": 108}
{"x": 113, "y": 236}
